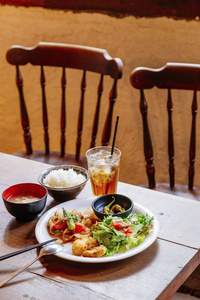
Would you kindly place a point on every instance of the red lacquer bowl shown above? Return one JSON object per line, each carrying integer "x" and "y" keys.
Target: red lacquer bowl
{"x": 25, "y": 211}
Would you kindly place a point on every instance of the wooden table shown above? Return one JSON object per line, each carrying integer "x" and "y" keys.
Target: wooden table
{"x": 155, "y": 273}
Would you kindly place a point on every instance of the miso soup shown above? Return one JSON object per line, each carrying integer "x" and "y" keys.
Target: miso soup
{"x": 23, "y": 198}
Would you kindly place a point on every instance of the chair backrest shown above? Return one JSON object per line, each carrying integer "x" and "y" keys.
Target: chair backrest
{"x": 171, "y": 76}
{"x": 67, "y": 56}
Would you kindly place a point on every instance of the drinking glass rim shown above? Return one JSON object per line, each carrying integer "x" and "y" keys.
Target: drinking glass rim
{"x": 103, "y": 147}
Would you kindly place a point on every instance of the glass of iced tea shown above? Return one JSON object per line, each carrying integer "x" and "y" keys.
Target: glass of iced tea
{"x": 103, "y": 169}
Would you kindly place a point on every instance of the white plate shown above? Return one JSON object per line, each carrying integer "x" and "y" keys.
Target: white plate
{"x": 42, "y": 234}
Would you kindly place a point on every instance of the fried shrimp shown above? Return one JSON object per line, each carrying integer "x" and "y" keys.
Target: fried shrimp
{"x": 80, "y": 245}
{"x": 95, "y": 252}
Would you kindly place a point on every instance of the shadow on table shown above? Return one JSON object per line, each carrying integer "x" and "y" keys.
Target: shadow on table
{"x": 58, "y": 268}
{"x": 21, "y": 235}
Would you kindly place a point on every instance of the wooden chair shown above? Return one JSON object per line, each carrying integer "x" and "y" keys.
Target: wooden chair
{"x": 171, "y": 76}
{"x": 65, "y": 56}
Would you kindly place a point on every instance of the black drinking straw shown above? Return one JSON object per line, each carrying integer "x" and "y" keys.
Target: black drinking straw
{"x": 115, "y": 132}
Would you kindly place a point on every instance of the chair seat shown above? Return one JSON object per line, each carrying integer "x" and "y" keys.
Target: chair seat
{"x": 179, "y": 190}
{"x": 54, "y": 158}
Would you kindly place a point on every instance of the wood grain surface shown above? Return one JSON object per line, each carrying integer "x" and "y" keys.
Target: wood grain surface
{"x": 155, "y": 273}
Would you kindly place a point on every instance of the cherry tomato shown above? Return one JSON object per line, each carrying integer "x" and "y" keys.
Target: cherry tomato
{"x": 128, "y": 230}
{"x": 118, "y": 225}
{"x": 79, "y": 227}
{"x": 59, "y": 225}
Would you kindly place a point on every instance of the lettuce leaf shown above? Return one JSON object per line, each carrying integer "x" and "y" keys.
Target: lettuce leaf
{"x": 116, "y": 241}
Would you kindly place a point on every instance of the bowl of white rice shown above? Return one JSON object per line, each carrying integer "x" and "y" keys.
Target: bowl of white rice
{"x": 64, "y": 182}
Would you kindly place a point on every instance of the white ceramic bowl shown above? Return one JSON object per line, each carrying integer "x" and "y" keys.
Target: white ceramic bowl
{"x": 62, "y": 194}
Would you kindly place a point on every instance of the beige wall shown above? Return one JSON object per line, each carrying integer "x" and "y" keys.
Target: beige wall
{"x": 147, "y": 42}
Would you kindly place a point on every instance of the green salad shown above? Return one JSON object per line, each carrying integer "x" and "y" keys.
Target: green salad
{"x": 119, "y": 235}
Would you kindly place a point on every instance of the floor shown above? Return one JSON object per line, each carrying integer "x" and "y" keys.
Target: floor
{"x": 180, "y": 296}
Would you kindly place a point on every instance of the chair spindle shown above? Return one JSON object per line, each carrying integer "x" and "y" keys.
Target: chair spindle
{"x": 44, "y": 111}
{"x": 23, "y": 111}
{"x": 80, "y": 118}
{"x": 148, "y": 150}
{"x": 63, "y": 112}
{"x": 170, "y": 139}
{"x": 108, "y": 123}
{"x": 97, "y": 111}
{"x": 192, "y": 142}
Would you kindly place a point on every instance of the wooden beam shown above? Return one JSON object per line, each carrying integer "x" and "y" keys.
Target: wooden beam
{"x": 188, "y": 9}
